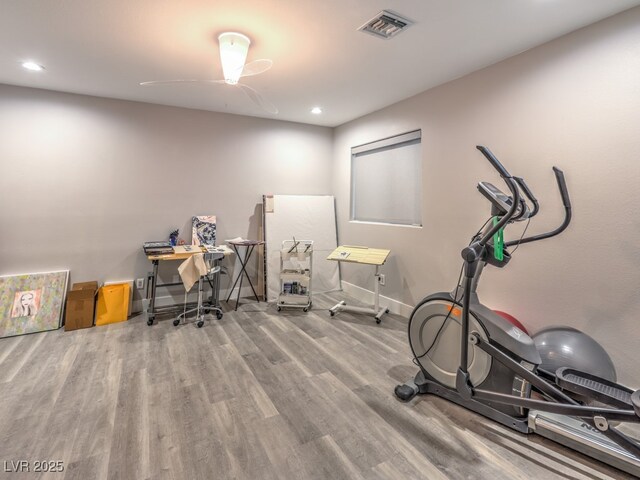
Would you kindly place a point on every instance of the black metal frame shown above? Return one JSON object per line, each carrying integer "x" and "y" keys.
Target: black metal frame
{"x": 243, "y": 271}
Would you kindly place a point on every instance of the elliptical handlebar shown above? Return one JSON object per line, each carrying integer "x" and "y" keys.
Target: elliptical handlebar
{"x": 495, "y": 163}
{"x": 562, "y": 186}
{"x": 566, "y": 201}
{"x": 515, "y": 206}
{"x": 529, "y": 194}
{"x": 516, "y": 184}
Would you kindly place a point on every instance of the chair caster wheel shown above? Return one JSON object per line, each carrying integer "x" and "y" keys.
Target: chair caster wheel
{"x": 305, "y": 309}
{"x": 176, "y": 322}
{"x": 332, "y": 313}
{"x": 279, "y": 309}
{"x": 386, "y": 311}
{"x": 200, "y": 323}
{"x": 219, "y": 315}
{"x": 150, "y": 322}
{"x": 378, "y": 321}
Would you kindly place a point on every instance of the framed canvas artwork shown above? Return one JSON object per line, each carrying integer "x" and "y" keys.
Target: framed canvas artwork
{"x": 204, "y": 230}
{"x": 32, "y": 302}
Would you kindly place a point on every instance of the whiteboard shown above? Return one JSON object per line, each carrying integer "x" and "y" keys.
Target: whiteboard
{"x": 306, "y": 217}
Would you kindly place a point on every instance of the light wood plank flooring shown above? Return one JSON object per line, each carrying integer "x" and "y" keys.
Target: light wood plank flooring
{"x": 257, "y": 395}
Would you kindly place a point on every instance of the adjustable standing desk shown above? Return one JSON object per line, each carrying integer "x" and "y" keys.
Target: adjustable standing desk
{"x": 365, "y": 256}
{"x": 152, "y": 277}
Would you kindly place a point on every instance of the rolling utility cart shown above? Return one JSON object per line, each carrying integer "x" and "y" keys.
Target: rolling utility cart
{"x": 295, "y": 274}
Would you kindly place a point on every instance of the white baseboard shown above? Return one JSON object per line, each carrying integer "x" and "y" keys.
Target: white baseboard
{"x": 367, "y": 296}
{"x": 167, "y": 300}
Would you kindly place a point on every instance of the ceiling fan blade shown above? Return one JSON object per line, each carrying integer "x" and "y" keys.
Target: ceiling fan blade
{"x": 258, "y": 99}
{"x": 256, "y": 67}
{"x": 176, "y": 82}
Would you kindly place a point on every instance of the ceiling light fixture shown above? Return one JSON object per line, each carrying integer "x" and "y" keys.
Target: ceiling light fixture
{"x": 33, "y": 66}
{"x": 233, "y": 53}
{"x": 316, "y": 110}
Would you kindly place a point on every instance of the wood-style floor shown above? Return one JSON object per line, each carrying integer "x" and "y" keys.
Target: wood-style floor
{"x": 256, "y": 395}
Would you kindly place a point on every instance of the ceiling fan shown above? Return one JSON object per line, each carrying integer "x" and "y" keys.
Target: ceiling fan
{"x": 233, "y": 54}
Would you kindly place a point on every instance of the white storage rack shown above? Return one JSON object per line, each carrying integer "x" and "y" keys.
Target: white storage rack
{"x": 295, "y": 274}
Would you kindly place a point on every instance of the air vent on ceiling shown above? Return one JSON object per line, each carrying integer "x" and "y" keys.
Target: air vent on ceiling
{"x": 386, "y": 24}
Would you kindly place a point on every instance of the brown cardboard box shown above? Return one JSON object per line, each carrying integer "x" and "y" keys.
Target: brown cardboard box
{"x": 81, "y": 302}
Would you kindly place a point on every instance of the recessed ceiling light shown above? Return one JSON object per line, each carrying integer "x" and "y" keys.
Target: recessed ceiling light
{"x": 316, "y": 110}
{"x": 32, "y": 66}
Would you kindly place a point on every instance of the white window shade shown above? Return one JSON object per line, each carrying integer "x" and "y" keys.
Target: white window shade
{"x": 386, "y": 181}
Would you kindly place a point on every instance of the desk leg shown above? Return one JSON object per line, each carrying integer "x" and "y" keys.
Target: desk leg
{"x": 376, "y": 311}
{"x": 239, "y": 286}
{"x": 337, "y": 307}
{"x": 238, "y": 277}
{"x": 151, "y": 314}
{"x": 376, "y": 298}
{"x": 216, "y": 280}
{"x": 246, "y": 261}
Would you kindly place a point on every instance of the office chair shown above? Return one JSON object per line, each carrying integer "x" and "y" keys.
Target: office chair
{"x": 212, "y": 261}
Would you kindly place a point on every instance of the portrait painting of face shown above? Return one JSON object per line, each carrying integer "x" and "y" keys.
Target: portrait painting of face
{"x": 26, "y": 303}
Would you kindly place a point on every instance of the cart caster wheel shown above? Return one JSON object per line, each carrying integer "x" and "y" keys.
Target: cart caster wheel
{"x": 200, "y": 323}
{"x": 219, "y": 315}
{"x": 279, "y": 309}
{"x": 176, "y": 322}
{"x": 305, "y": 309}
{"x": 332, "y": 313}
{"x": 378, "y": 320}
{"x": 150, "y": 322}
{"x": 386, "y": 311}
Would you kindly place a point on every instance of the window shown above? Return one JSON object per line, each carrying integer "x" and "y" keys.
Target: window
{"x": 386, "y": 181}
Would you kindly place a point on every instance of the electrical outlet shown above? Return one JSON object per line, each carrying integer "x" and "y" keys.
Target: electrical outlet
{"x": 140, "y": 283}
{"x": 381, "y": 279}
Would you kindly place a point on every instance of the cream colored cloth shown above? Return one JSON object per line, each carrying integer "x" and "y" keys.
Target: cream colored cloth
{"x": 192, "y": 269}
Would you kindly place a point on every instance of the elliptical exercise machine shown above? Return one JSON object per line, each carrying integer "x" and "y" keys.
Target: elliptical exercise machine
{"x": 474, "y": 357}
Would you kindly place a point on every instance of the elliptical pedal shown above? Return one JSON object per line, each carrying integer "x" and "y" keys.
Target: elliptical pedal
{"x": 600, "y": 389}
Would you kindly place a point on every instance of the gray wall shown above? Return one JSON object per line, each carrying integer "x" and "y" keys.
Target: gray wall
{"x": 575, "y": 103}
{"x": 84, "y": 181}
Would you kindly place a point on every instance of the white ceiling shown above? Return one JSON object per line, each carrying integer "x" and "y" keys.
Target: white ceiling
{"x": 106, "y": 47}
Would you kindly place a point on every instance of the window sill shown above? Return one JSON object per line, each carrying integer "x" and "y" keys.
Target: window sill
{"x": 384, "y": 224}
